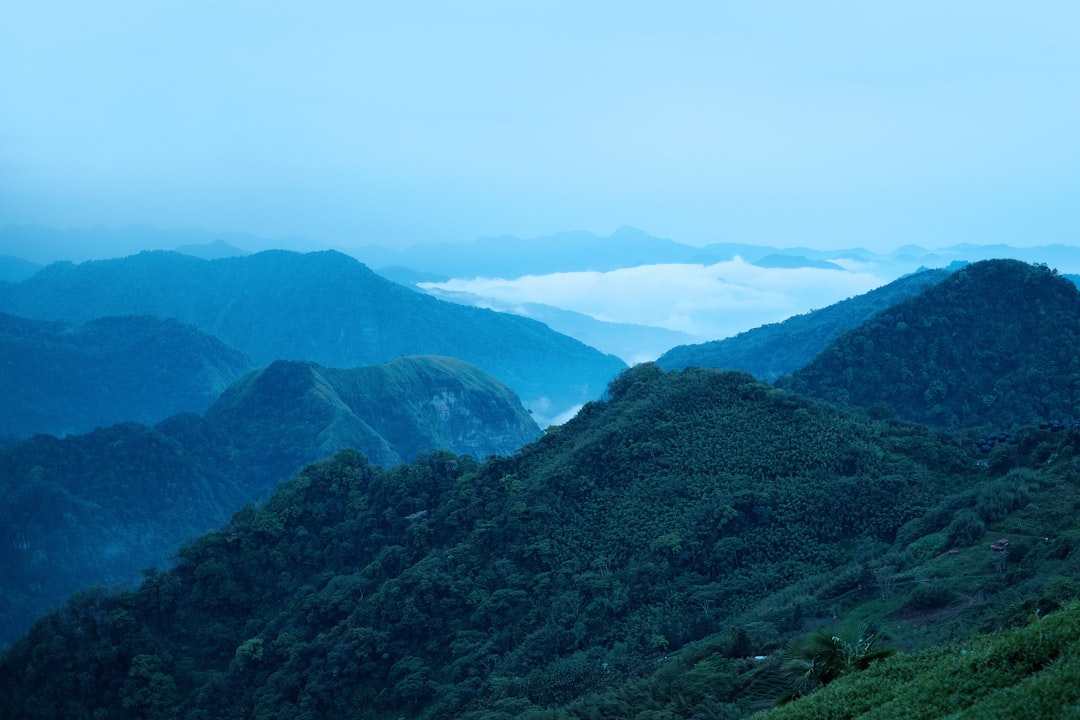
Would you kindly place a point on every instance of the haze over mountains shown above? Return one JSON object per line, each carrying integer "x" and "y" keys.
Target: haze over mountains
{"x": 324, "y": 307}
{"x": 58, "y": 378}
{"x": 624, "y": 563}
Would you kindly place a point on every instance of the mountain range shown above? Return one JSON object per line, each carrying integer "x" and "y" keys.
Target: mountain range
{"x": 324, "y": 307}
{"x": 507, "y": 256}
{"x": 665, "y": 553}
{"x": 630, "y": 563}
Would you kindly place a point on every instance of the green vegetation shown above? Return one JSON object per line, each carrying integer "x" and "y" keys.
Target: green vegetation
{"x": 697, "y": 545}
{"x": 1027, "y": 672}
{"x": 626, "y": 564}
{"x": 98, "y": 508}
{"x": 995, "y": 345}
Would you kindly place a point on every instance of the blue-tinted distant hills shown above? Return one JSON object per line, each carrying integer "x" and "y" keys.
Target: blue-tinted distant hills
{"x": 15, "y": 269}
{"x": 325, "y": 307}
{"x": 630, "y": 342}
{"x": 776, "y": 260}
{"x": 770, "y": 351}
{"x": 507, "y": 256}
{"x": 59, "y": 378}
{"x": 212, "y": 251}
{"x": 512, "y": 257}
{"x": 43, "y": 245}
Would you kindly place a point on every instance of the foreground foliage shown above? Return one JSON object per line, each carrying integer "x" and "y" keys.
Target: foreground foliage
{"x": 563, "y": 578}
{"x": 1027, "y": 672}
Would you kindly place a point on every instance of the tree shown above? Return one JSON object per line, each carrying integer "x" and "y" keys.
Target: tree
{"x": 816, "y": 659}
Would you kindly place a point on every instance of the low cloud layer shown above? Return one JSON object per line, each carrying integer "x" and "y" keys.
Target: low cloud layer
{"x": 707, "y": 301}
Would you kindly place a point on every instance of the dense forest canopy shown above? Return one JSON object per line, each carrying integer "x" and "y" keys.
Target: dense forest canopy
{"x": 995, "y": 345}
{"x": 100, "y": 507}
{"x": 445, "y": 586}
{"x": 770, "y": 351}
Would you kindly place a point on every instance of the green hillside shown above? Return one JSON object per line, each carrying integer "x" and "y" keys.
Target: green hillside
{"x": 99, "y": 508}
{"x": 769, "y": 351}
{"x": 995, "y": 345}
{"x": 290, "y": 413}
{"x": 324, "y": 307}
{"x": 1022, "y": 674}
{"x": 60, "y": 379}
{"x": 695, "y": 517}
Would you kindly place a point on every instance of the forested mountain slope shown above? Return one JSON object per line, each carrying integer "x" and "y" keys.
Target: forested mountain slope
{"x": 98, "y": 508}
{"x": 325, "y": 307}
{"x": 58, "y": 378}
{"x": 293, "y": 412}
{"x": 450, "y": 588}
{"x": 996, "y": 344}
{"x": 773, "y": 350}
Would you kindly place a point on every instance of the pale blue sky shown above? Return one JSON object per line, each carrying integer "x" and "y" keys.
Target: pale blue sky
{"x": 826, "y": 124}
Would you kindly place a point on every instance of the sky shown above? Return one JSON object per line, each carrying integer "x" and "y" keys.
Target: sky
{"x": 823, "y": 124}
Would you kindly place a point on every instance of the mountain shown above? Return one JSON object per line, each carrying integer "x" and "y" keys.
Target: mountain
{"x": 653, "y": 557}
{"x": 43, "y": 245}
{"x": 14, "y": 269}
{"x": 995, "y": 344}
{"x": 325, "y": 307}
{"x": 98, "y": 508}
{"x": 452, "y": 588}
{"x": 59, "y": 378}
{"x": 390, "y": 412}
{"x": 211, "y": 251}
{"x": 773, "y": 350}
{"x": 511, "y": 257}
{"x": 777, "y": 260}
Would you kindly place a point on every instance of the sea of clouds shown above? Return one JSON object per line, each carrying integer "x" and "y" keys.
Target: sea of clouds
{"x": 708, "y": 302}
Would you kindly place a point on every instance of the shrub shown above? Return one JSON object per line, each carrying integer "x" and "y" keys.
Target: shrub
{"x": 966, "y": 529}
{"x": 929, "y": 596}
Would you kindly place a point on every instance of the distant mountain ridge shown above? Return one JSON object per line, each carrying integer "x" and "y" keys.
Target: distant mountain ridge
{"x": 43, "y": 245}
{"x": 325, "y": 307}
{"x": 16, "y": 269}
{"x": 771, "y": 351}
{"x": 994, "y": 344}
{"x": 59, "y": 378}
{"x": 390, "y": 412}
{"x": 98, "y": 508}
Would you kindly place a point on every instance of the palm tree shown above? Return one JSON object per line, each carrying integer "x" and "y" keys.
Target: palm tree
{"x": 816, "y": 659}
